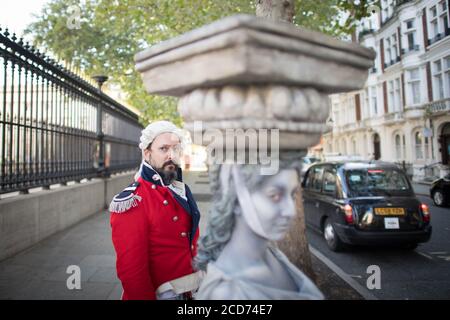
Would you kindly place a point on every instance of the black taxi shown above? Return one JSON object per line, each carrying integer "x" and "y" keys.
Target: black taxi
{"x": 364, "y": 203}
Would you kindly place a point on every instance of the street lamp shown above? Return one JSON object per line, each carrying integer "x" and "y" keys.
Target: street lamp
{"x": 100, "y": 79}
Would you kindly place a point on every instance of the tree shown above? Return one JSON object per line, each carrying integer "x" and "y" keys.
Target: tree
{"x": 295, "y": 244}
{"x": 111, "y": 31}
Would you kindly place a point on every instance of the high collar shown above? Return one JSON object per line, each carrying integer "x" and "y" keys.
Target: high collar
{"x": 151, "y": 175}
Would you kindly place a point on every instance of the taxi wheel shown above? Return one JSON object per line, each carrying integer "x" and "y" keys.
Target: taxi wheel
{"x": 331, "y": 237}
{"x": 438, "y": 198}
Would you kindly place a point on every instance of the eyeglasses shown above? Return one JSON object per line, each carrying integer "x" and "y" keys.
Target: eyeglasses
{"x": 176, "y": 149}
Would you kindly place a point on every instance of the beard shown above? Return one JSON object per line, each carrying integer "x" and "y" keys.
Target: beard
{"x": 168, "y": 172}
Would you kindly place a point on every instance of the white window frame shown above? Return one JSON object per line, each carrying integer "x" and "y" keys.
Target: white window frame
{"x": 414, "y": 82}
{"x": 391, "y": 98}
{"x": 442, "y": 17}
{"x": 397, "y": 95}
{"x": 374, "y": 100}
{"x": 408, "y": 32}
{"x": 418, "y": 147}
{"x": 352, "y": 109}
{"x": 441, "y": 78}
{"x": 388, "y": 51}
{"x": 366, "y": 108}
{"x": 436, "y": 22}
{"x": 398, "y": 146}
{"x": 404, "y": 146}
{"x": 394, "y": 48}
{"x": 394, "y": 95}
{"x": 446, "y": 70}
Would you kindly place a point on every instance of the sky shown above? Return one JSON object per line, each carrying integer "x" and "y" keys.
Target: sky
{"x": 17, "y": 14}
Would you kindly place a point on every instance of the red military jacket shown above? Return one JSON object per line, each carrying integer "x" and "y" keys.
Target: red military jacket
{"x": 154, "y": 232}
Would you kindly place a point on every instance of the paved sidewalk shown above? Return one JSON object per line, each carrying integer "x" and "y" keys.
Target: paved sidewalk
{"x": 40, "y": 271}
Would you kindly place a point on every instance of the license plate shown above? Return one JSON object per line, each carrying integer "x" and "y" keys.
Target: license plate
{"x": 390, "y": 211}
{"x": 391, "y": 223}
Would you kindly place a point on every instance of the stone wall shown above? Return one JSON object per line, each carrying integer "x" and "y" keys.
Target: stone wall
{"x": 27, "y": 219}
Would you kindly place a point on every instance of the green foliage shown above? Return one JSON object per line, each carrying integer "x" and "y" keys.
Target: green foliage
{"x": 112, "y": 31}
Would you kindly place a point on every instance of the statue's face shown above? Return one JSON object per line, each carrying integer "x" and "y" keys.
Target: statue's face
{"x": 275, "y": 204}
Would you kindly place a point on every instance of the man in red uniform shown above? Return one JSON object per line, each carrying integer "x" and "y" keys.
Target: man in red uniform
{"x": 155, "y": 222}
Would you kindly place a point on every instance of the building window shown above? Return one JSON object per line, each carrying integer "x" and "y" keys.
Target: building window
{"x": 409, "y": 24}
{"x": 352, "y": 109}
{"x": 438, "y": 21}
{"x": 388, "y": 51}
{"x": 443, "y": 19}
{"x": 398, "y": 147}
{"x": 433, "y": 12}
{"x": 391, "y": 96}
{"x": 410, "y": 33}
{"x": 366, "y": 112}
{"x": 398, "y": 97}
{"x": 391, "y": 50}
{"x": 413, "y": 78}
{"x": 435, "y": 27}
{"x": 447, "y": 75}
{"x": 394, "y": 47}
{"x": 411, "y": 41}
{"x": 391, "y": 7}
{"x": 441, "y": 78}
{"x": 394, "y": 95}
{"x": 404, "y": 146}
{"x": 418, "y": 143}
{"x": 434, "y": 22}
{"x": 373, "y": 92}
{"x": 345, "y": 111}
{"x": 385, "y": 6}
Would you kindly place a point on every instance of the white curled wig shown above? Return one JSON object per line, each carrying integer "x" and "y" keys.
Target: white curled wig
{"x": 156, "y": 128}
{"x": 153, "y": 130}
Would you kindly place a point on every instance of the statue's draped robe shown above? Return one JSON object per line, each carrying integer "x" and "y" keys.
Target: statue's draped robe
{"x": 241, "y": 289}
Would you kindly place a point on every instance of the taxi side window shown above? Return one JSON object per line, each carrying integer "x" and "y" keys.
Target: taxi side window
{"x": 314, "y": 179}
{"x": 329, "y": 182}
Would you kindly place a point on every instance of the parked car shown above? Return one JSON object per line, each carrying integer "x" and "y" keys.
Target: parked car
{"x": 440, "y": 191}
{"x": 364, "y": 203}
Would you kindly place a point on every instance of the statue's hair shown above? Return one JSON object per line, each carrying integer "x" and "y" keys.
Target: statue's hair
{"x": 221, "y": 218}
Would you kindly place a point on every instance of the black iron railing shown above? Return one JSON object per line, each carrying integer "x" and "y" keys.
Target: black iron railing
{"x": 439, "y": 36}
{"x": 411, "y": 48}
{"x": 49, "y": 123}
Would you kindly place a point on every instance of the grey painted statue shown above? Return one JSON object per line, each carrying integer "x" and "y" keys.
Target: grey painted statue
{"x": 237, "y": 251}
{"x": 277, "y": 84}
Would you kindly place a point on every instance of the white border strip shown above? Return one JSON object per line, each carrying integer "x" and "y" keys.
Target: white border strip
{"x": 344, "y": 276}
